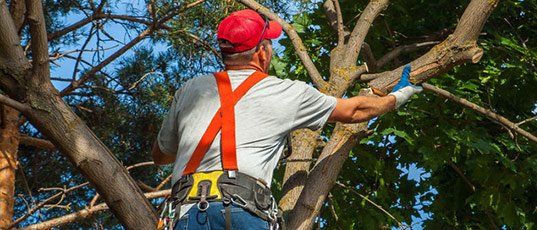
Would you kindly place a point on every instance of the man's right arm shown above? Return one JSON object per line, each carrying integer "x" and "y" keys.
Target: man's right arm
{"x": 362, "y": 108}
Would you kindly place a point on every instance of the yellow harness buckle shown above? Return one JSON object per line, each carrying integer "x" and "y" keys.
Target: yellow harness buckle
{"x": 200, "y": 182}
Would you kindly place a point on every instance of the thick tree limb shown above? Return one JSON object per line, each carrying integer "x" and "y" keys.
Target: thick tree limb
{"x": 39, "y": 43}
{"x": 442, "y": 57}
{"x": 300, "y": 49}
{"x": 486, "y": 112}
{"x": 36, "y": 142}
{"x": 12, "y": 63}
{"x": 85, "y": 213}
{"x": 17, "y": 8}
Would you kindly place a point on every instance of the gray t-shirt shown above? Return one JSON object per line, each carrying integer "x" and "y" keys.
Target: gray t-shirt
{"x": 263, "y": 117}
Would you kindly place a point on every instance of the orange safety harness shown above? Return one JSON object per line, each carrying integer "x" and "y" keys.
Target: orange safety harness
{"x": 224, "y": 120}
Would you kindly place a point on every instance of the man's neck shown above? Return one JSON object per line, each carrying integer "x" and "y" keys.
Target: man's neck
{"x": 241, "y": 67}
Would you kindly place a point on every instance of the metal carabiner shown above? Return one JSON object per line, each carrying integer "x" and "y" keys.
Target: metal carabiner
{"x": 203, "y": 205}
{"x": 236, "y": 197}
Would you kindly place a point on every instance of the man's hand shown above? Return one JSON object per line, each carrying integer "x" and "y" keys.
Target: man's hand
{"x": 404, "y": 89}
{"x": 161, "y": 158}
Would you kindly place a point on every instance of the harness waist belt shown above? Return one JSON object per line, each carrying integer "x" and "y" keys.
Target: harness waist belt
{"x": 240, "y": 189}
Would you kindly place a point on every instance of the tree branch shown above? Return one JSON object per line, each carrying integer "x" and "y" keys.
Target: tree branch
{"x": 39, "y": 42}
{"x": 43, "y": 203}
{"x": 331, "y": 9}
{"x": 488, "y": 113}
{"x": 36, "y": 142}
{"x": 357, "y": 37}
{"x": 300, "y": 49}
{"x": 332, "y": 14}
{"x": 98, "y": 16}
{"x": 75, "y": 84}
{"x": 14, "y": 104}
{"x": 86, "y": 213}
{"x": 17, "y": 8}
{"x": 12, "y": 60}
{"x": 390, "y": 56}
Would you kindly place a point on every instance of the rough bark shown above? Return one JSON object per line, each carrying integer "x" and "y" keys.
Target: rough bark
{"x": 304, "y": 143}
{"x": 9, "y": 142}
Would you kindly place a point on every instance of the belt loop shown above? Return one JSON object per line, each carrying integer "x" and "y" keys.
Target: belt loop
{"x": 227, "y": 211}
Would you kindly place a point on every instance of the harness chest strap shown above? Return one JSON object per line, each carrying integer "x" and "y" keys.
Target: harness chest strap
{"x": 224, "y": 120}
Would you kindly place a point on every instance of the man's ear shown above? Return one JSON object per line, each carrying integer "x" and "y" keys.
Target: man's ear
{"x": 263, "y": 53}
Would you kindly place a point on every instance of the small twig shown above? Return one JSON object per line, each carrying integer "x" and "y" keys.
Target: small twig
{"x": 135, "y": 84}
{"x": 401, "y": 225}
{"x": 470, "y": 185}
{"x": 164, "y": 182}
{"x": 527, "y": 120}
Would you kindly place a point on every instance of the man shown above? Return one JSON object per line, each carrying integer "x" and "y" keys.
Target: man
{"x": 226, "y": 131}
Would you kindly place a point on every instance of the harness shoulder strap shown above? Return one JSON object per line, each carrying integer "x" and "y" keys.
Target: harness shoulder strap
{"x": 226, "y": 111}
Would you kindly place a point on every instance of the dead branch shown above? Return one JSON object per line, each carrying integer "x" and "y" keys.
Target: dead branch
{"x": 300, "y": 49}
{"x": 46, "y": 201}
{"x": 88, "y": 212}
{"x": 488, "y": 113}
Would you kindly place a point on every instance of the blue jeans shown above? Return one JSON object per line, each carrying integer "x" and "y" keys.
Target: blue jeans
{"x": 214, "y": 218}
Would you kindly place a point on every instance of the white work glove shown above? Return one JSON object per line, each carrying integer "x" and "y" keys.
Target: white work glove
{"x": 404, "y": 89}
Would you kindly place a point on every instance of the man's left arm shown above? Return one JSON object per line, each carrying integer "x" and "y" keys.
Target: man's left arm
{"x": 165, "y": 146}
{"x": 159, "y": 157}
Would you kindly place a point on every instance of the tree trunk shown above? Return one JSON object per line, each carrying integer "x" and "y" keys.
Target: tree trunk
{"x": 9, "y": 143}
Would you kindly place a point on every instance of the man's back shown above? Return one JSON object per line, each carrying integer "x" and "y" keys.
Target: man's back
{"x": 264, "y": 116}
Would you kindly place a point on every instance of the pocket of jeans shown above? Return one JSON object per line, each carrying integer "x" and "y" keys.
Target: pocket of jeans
{"x": 242, "y": 219}
{"x": 182, "y": 223}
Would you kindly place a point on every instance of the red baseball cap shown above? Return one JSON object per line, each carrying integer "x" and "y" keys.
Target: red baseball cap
{"x": 245, "y": 29}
